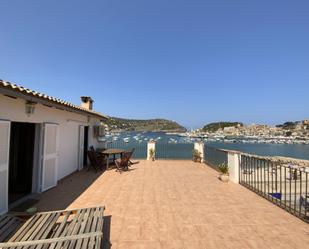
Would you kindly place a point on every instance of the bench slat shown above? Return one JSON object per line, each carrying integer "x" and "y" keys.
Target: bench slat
{"x": 26, "y": 226}
{"x": 9, "y": 228}
{"x": 49, "y": 241}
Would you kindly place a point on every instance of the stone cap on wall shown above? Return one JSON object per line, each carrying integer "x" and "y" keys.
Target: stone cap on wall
{"x": 275, "y": 159}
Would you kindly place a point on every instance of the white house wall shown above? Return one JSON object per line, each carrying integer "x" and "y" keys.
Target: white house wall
{"x": 93, "y": 140}
{"x": 69, "y": 122}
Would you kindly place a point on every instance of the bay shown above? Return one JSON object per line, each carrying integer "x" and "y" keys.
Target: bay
{"x": 175, "y": 147}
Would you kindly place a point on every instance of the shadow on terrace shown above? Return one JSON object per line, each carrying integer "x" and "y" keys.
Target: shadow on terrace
{"x": 67, "y": 191}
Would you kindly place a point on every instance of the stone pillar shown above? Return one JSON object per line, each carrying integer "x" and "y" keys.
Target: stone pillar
{"x": 150, "y": 145}
{"x": 233, "y": 159}
{"x": 199, "y": 146}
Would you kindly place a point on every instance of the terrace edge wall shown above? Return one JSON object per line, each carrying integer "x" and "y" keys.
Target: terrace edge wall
{"x": 231, "y": 158}
{"x": 199, "y": 146}
{"x": 150, "y": 145}
{"x": 234, "y": 158}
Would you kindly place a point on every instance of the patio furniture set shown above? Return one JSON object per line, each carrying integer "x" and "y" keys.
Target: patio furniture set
{"x": 102, "y": 158}
{"x": 79, "y": 228}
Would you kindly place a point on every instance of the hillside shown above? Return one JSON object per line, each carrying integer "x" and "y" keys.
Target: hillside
{"x": 144, "y": 125}
{"x": 212, "y": 127}
{"x": 289, "y": 125}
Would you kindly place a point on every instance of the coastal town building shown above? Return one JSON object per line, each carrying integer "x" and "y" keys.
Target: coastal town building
{"x": 306, "y": 122}
{"x": 42, "y": 140}
{"x": 289, "y": 132}
{"x": 231, "y": 129}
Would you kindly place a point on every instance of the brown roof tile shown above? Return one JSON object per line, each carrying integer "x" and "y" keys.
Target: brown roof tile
{"x": 27, "y": 91}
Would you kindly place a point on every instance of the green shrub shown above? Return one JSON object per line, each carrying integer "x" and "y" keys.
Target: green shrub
{"x": 152, "y": 153}
{"x": 196, "y": 156}
{"x": 223, "y": 168}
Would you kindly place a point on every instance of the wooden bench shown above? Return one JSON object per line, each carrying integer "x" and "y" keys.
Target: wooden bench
{"x": 80, "y": 228}
{"x": 8, "y": 225}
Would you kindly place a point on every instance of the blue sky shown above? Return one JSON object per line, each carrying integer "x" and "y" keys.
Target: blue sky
{"x": 193, "y": 61}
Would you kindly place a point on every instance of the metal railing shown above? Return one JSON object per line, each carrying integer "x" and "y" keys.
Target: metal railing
{"x": 140, "y": 148}
{"x": 174, "y": 151}
{"x": 284, "y": 185}
{"x": 214, "y": 157}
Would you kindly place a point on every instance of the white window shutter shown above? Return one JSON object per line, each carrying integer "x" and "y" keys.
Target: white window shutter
{"x": 50, "y": 156}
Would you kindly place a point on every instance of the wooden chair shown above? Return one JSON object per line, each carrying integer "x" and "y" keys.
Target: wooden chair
{"x": 80, "y": 228}
{"x": 97, "y": 162}
{"x": 129, "y": 154}
{"x": 122, "y": 163}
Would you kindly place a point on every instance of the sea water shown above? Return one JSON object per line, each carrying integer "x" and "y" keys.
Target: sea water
{"x": 176, "y": 147}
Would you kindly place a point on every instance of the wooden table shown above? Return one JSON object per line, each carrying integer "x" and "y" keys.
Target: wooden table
{"x": 113, "y": 152}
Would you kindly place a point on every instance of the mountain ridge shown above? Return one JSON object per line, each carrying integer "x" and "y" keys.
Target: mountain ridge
{"x": 156, "y": 124}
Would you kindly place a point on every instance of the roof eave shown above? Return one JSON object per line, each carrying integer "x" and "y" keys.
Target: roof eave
{"x": 14, "y": 92}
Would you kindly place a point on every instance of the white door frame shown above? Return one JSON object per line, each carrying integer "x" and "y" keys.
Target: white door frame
{"x": 4, "y": 167}
{"x": 81, "y": 138}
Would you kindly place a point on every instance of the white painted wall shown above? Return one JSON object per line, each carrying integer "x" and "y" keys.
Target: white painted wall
{"x": 14, "y": 110}
{"x": 93, "y": 140}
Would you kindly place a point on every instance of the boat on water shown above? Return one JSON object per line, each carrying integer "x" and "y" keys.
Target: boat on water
{"x": 171, "y": 133}
{"x": 172, "y": 141}
{"x": 179, "y": 138}
{"x": 126, "y": 140}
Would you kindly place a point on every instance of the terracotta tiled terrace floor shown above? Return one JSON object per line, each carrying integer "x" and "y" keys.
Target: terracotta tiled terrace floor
{"x": 178, "y": 204}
